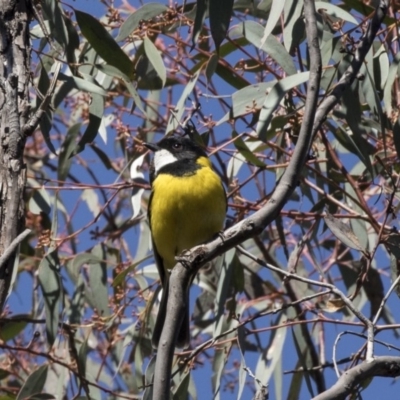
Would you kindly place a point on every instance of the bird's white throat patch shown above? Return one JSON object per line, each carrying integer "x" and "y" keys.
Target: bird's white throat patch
{"x": 162, "y": 158}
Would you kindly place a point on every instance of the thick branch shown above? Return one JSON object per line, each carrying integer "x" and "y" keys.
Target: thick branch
{"x": 388, "y": 367}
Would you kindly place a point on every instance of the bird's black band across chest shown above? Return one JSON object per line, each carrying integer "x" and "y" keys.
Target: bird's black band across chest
{"x": 181, "y": 168}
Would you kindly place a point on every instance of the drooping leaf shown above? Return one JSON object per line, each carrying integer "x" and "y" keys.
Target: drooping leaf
{"x": 154, "y": 56}
{"x": 220, "y": 15}
{"x": 273, "y": 18}
{"x": 67, "y": 149}
{"x": 50, "y": 283}
{"x": 98, "y": 288}
{"x": 243, "y": 149}
{"x": 34, "y": 384}
{"x": 276, "y": 94}
{"x": 115, "y": 72}
{"x": 201, "y": 12}
{"x": 176, "y": 115}
{"x": 104, "y": 44}
{"x": 343, "y": 232}
{"x": 137, "y": 177}
{"x": 96, "y": 111}
{"x": 294, "y": 26}
{"x": 40, "y": 202}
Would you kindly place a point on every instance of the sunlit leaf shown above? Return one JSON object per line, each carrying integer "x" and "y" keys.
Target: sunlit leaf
{"x": 40, "y": 202}
{"x": 155, "y": 58}
{"x": 274, "y": 15}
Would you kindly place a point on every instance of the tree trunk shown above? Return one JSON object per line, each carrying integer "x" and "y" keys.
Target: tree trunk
{"x": 14, "y": 108}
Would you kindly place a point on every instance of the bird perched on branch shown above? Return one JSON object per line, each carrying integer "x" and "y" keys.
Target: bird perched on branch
{"x": 187, "y": 207}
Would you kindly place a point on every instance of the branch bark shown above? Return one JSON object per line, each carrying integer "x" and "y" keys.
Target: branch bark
{"x": 385, "y": 366}
{"x": 14, "y": 107}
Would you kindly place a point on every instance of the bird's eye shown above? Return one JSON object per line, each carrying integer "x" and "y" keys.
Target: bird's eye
{"x": 177, "y": 146}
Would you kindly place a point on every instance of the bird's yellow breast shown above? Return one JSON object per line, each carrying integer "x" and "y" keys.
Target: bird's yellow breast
{"x": 186, "y": 211}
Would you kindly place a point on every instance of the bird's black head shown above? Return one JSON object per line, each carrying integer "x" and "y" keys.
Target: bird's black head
{"x": 175, "y": 152}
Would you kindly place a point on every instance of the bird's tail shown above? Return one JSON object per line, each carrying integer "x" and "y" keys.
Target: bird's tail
{"x": 183, "y": 338}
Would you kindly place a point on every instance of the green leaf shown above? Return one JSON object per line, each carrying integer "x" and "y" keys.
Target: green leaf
{"x": 103, "y": 156}
{"x": 67, "y": 149}
{"x": 81, "y": 84}
{"x": 116, "y": 73}
{"x": 182, "y": 389}
{"x": 276, "y": 94}
{"x": 250, "y": 98}
{"x": 104, "y": 44}
{"x": 34, "y": 384}
{"x": 54, "y": 15}
{"x": 50, "y": 283}
{"x": 254, "y": 32}
{"x": 274, "y": 350}
{"x": 273, "y": 18}
{"x": 220, "y": 15}
{"x": 154, "y": 56}
{"x": 175, "y": 117}
{"x": 90, "y": 197}
{"x": 387, "y": 93}
{"x": 334, "y": 11}
{"x": 96, "y": 112}
{"x": 229, "y": 76}
{"x": 82, "y": 356}
{"x": 241, "y": 146}
{"x": 98, "y": 288}
{"x": 40, "y": 202}
{"x": 211, "y": 66}
{"x": 13, "y": 326}
{"x": 144, "y": 13}
{"x": 343, "y": 232}
{"x": 294, "y": 27}
{"x": 201, "y": 11}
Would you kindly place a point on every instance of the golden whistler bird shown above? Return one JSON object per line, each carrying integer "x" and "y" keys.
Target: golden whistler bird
{"x": 187, "y": 207}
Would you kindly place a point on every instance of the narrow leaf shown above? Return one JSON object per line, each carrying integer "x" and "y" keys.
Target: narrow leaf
{"x": 274, "y": 15}
{"x": 275, "y": 96}
{"x": 144, "y": 13}
{"x": 104, "y": 44}
{"x": 34, "y": 384}
{"x": 50, "y": 283}
{"x": 220, "y": 15}
{"x": 154, "y": 56}
{"x": 343, "y": 232}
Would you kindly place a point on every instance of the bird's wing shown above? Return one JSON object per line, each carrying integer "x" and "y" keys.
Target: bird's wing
{"x": 157, "y": 257}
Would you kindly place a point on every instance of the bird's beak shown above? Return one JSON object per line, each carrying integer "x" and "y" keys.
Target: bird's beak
{"x": 152, "y": 146}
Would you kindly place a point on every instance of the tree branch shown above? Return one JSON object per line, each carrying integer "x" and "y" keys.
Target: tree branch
{"x": 388, "y": 367}
{"x": 13, "y": 246}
